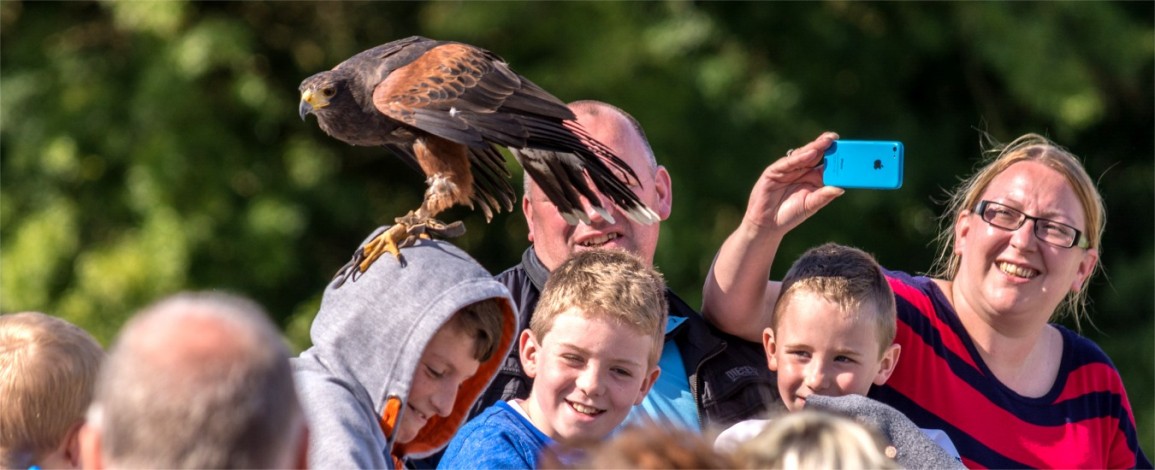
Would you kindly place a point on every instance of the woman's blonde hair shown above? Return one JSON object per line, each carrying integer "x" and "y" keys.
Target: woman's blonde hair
{"x": 1033, "y": 148}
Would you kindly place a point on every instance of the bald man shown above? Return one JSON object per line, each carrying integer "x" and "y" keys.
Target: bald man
{"x": 708, "y": 377}
{"x": 198, "y": 380}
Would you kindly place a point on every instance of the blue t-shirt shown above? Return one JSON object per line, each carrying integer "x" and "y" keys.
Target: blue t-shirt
{"x": 499, "y": 438}
{"x": 670, "y": 400}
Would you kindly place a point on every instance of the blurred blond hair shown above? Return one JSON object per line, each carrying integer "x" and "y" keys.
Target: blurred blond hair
{"x": 645, "y": 446}
{"x": 811, "y": 439}
{"x": 48, "y": 370}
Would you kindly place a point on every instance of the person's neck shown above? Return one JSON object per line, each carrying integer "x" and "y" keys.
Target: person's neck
{"x": 1021, "y": 353}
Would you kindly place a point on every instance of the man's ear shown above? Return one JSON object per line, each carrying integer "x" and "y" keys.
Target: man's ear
{"x": 648, "y": 383}
{"x": 768, "y": 345}
{"x": 527, "y": 212}
{"x": 528, "y": 348}
{"x": 664, "y": 189}
{"x": 887, "y": 364}
{"x": 90, "y": 457}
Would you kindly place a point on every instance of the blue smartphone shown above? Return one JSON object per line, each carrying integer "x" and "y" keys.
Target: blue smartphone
{"x": 869, "y": 164}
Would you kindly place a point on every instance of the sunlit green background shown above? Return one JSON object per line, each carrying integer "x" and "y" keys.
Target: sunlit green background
{"x": 150, "y": 147}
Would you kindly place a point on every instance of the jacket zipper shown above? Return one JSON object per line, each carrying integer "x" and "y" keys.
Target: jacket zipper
{"x": 698, "y": 378}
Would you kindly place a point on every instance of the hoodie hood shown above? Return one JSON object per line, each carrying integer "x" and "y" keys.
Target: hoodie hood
{"x": 371, "y": 331}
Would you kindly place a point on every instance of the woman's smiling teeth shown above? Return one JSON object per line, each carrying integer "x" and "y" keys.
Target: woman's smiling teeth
{"x": 585, "y": 410}
{"x": 599, "y": 240}
{"x": 1017, "y": 271}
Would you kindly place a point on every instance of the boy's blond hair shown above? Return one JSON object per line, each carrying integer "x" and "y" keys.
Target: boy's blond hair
{"x": 608, "y": 284}
{"x": 845, "y": 276}
{"x": 48, "y": 370}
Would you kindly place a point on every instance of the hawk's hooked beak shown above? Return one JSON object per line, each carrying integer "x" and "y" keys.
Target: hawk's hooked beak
{"x": 309, "y": 102}
{"x": 304, "y": 108}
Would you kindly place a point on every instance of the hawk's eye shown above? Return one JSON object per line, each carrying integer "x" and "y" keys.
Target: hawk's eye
{"x": 328, "y": 92}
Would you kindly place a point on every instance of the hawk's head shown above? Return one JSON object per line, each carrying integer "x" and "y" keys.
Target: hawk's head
{"x": 318, "y": 91}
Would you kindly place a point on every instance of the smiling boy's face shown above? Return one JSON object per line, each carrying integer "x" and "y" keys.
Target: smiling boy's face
{"x": 588, "y": 373}
{"x": 818, "y": 348}
{"x": 446, "y": 364}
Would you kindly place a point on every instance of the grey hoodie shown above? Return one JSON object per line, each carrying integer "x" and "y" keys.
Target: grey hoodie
{"x": 368, "y": 338}
{"x": 914, "y": 449}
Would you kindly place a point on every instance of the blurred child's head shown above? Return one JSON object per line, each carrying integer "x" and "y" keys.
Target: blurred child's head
{"x": 593, "y": 344}
{"x": 454, "y": 354}
{"x": 651, "y": 445}
{"x": 812, "y": 439}
{"x": 48, "y": 369}
{"x": 833, "y": 327}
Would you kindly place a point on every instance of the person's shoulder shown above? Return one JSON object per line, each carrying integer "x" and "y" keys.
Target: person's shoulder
{"x": 1079, "y": 351}
{"x": 495, "y": 419}
{"x": 516, "y": 279}
{"x": 679, "y": 307}
{"x": 490, "y": 440}
{"x": 343, "y": 431}
{"x": 315, "y": 382}
{"x": 922, "y": 283}
{"x": 515, "y": 272}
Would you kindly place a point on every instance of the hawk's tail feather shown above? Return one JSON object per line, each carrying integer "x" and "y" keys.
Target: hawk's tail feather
{"x": 572, "y": 138}
{"x": 551, "y": 135}
{"x": 609, "y": 184}
{"x": 572, "y": 167}
{"x": 553, "y": 180}
{"x": 561, "y": 176}
{"x": 603, "y": 153}
{"x": 611, "y": 175}
{"x": 492, "y": 190}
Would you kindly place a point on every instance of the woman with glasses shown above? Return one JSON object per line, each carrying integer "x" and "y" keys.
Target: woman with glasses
{"x": 980, "y": 357}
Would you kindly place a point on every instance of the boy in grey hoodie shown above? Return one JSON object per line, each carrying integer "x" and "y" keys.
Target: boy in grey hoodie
{"x": 400, "y": 353}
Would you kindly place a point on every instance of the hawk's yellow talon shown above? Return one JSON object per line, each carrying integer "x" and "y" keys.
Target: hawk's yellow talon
{"x": 387, "y": 242}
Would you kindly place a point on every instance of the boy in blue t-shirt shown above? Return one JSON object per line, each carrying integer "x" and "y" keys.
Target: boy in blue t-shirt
{"x": 592, "y": 349}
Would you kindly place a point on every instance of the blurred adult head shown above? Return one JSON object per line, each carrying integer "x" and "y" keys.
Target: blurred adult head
{"x": 554, "y": 240}
{"x": 998, "y": 267}
{"x": 198, "y": 380}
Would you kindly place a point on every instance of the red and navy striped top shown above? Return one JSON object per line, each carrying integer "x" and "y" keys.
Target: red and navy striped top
{"x": 940, "y": 382}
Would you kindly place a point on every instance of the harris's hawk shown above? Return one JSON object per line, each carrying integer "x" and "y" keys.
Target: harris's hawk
{"x": 444, "y": 107}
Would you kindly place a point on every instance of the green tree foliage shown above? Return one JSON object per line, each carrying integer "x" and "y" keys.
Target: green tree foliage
{"x": 151, "y": 147}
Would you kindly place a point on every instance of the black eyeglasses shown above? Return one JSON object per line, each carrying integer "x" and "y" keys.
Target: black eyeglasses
{"x": 1047, "y": 230}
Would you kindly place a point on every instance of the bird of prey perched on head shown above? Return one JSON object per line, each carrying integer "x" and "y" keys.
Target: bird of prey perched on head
{"x": 444, "y": 107}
